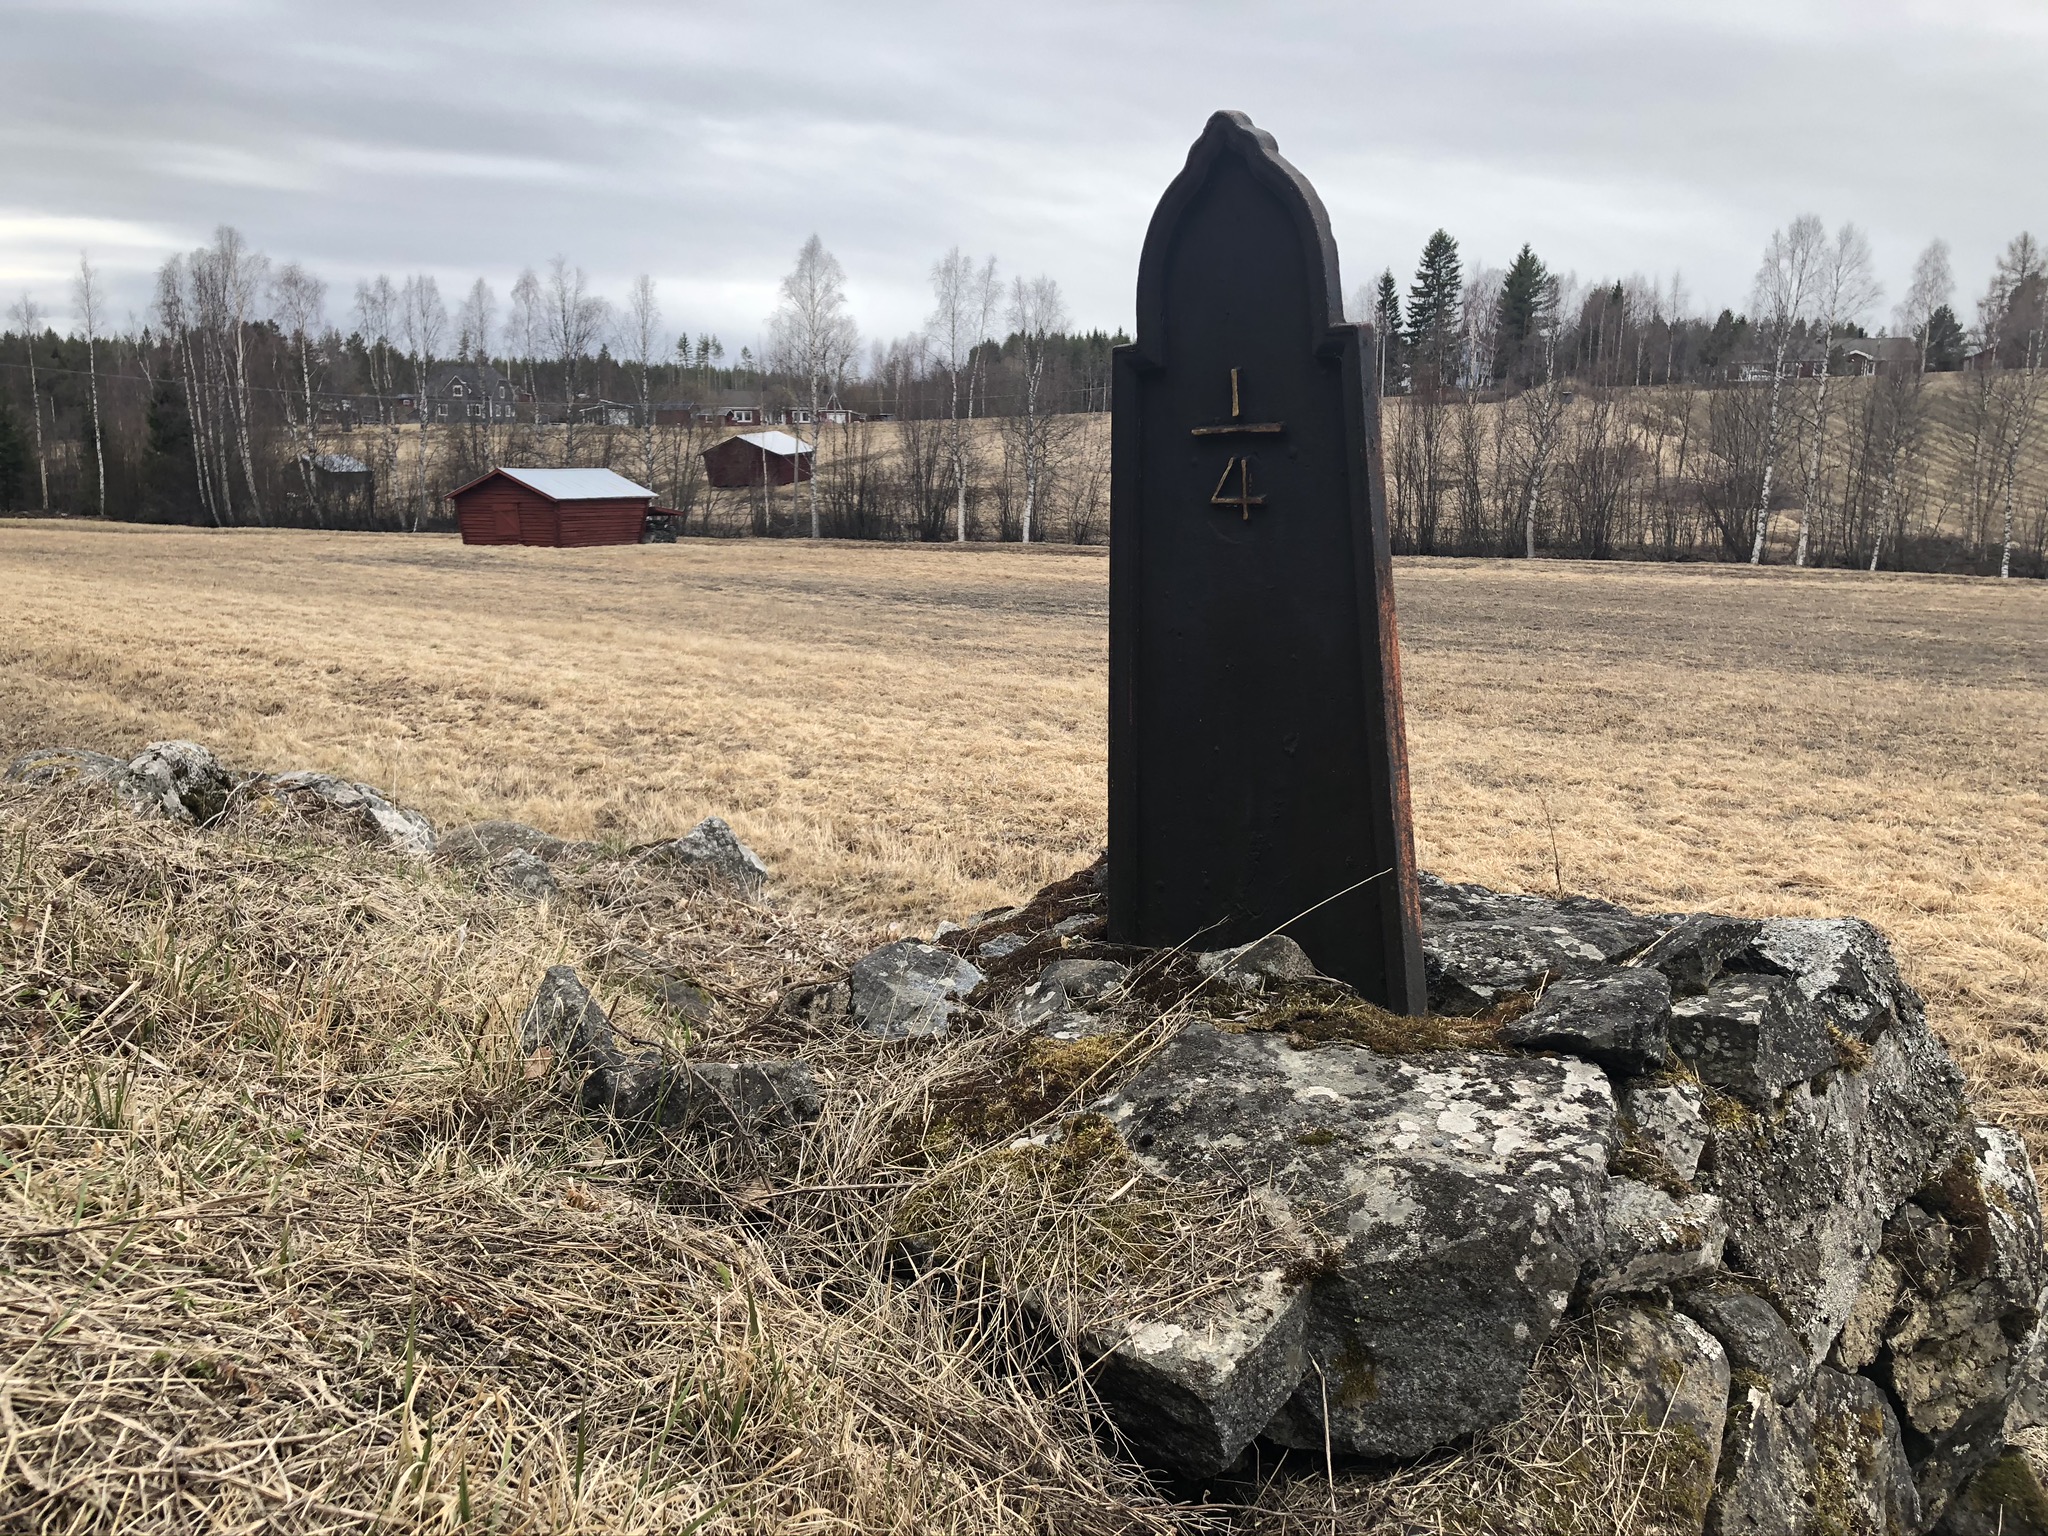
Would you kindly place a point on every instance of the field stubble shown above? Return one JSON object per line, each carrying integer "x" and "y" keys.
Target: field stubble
{"x": 907, "y": 732}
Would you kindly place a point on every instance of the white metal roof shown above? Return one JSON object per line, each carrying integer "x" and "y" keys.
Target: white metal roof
{"x": 776, "y": 442}
{"x": 577, "y": 484}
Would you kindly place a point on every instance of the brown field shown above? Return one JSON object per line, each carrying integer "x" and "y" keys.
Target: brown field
{"x": 906, "y": 732}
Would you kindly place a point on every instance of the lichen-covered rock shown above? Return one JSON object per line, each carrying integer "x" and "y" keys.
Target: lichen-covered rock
{"x": 1191, "y": 1393}
{"x": 359, "y": 808}
{"x": 1480, "y": 947}
{"x": 1808, "y": 1187}
{"x": 1651, "y": 1240}
{"x": 909, "y": 990}
{"x": 1667, "y": 1376}
{"x": 47, "y": 766}
{"x": 486, "y": 842}
{"x": 710, "y": 852}
{"x": 1619, "y": 1018}
{"x": 1256, "y": 967}
{"x": 1696, "y": 949}
{"x": 177, "y": 779}
{"x": 1829, "y": 1461}
{"x": 1843, "y": 965}
{"x": 718, "y": 1098}
{"x": 1463, "y": 1189}
{"x": 526, "y": 875}
{"x": 1753, "y": 1036}
{"x": 2004, "y": 1499}
{"x": 1969, "y": 1249}
{"x": 1068, "y": 987}
{"x": 1670, "y": 1118}
{"x": 1758, "y": 1343}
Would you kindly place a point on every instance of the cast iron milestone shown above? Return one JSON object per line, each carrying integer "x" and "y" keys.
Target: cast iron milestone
{"x": 1257, "y": 764}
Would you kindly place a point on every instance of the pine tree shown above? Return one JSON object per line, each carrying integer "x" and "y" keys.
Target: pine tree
{"x": 1434, "y": 302}
{"x": 13, "y": 460}
{"x": 1386, "y": 323}
{"x": 1523, "y": 298}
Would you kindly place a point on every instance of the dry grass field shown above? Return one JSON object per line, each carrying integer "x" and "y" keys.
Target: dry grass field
{"x": 908, "y": 732}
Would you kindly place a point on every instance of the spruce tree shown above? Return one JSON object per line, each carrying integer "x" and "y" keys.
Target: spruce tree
{"x": 1434, "y": 302}
{"x": 13, "y": 460}
{"x": 1523, "y": 298}
{"x": 1386, "y": 324}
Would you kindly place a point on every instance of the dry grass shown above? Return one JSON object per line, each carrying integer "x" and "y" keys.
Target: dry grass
{"x": 292, "y": 1241}
{"x": 914, "y": 732}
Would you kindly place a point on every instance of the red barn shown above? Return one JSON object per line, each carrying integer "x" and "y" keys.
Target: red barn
{"x": 755, "y": 457}
{"x": 557, "y": 508}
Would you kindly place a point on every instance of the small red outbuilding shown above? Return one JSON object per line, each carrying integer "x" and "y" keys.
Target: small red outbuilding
{"x": 558, "y": 508}
{"x": 754, "y": 458}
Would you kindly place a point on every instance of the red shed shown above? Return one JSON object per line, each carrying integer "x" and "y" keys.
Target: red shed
{"x": 755, "y": 457}
{"x": 560, "y": 508}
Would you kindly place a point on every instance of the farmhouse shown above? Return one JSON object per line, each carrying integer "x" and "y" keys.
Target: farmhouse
{"x": 756, "y": 458}
{"x": 557, "y": 508}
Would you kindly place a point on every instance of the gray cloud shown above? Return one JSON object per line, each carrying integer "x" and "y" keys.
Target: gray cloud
{"x": 703, "y": 144}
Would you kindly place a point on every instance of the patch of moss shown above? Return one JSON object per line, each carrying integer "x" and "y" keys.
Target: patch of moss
{"x": 1725, "y": 1112}
{"x": 2008, "y": 1496}
{"x": 1312, "y": 1017}
{"x": 1851, "y": 1054}
{"x": 1317, "y": 1136}
{"x": 1040, "y": 1078}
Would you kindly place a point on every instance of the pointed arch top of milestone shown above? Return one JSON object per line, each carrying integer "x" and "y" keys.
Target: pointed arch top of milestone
{"x": 1232, "y": 138}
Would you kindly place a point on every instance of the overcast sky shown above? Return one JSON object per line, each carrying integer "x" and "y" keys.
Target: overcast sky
{"x": 703, "y": 143}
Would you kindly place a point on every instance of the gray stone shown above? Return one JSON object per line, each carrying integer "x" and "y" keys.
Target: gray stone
{"x": 1474, "y": 964}
{"x": 1653, "y": 1241}
{"x": 1190, "y": 1394}
{"x": 720, "y": 1098}
{"x": 1696, "y": 949}
{"x": 1756, "y": 1338}
{"x": 1807, "y": 1188}
{"x": 1082, "y": 925}
{"x": 2004, "y": 1499}
{"x": 1829, "y": 1462}
{"x": 1464, "y": 1188}
{"x": 177, "y": 779}
{"x": 910, "y": 989}
{"x": 1255, "y": 967}
{"x": 1843, "y": 965}
{"x": 1861, "y": 1340}
{"x": 1754, "y": 1036}
{"x": 485, "y": 842}
{"x": 1671, "y": 1120}
{"x": 1665, "y": 1373}
{"x": 1958, "y": 1341}
{"x": 525, "y": 875}
{"x": 1619, "y": 1018}
{"x": 709, "y": 852}
{"x": 45, "y": 767}
{"x": 357, "y": 807}
{"x": 1068, "y": 986}
{"x": 684, "y": 998}
{"x": 565, "y": 1019}
{"x": 1002, "y": 945}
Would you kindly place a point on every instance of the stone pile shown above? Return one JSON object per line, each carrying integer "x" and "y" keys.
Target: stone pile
{"x": 1733, "y": 1145}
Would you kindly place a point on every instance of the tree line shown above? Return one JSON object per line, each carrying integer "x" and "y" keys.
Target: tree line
{"x": 1526, "y": 413}
{"x": 1530, "y": 413}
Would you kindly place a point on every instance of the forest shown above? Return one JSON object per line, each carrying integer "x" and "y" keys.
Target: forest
{"x": 1526, "y": 414}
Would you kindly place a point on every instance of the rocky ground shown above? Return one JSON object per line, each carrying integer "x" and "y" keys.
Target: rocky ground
{"x": 1665, "y": 1222}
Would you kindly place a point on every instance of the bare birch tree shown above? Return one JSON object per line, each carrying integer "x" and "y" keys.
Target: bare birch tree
{"x": 1783, "y": 298}
{"x": 423, "y": 322}
{"x": 573, "y": 317}
{"x": 377, "y": 321}
{"x": 814, "y": 338}
{"x": 1845, "y": 286}
{"x": 1037, "y": 315}
{"x": 299, "y": 303}
{"x": 643, "y": 341}
{"x": 28, "y": 314}
{"x": 89, "y": 302}
{"x": 527, "y": 332}
{"x": 958, "y": 325}
{"x": 230, "y": 279}
{"x": 1933, "y": 285}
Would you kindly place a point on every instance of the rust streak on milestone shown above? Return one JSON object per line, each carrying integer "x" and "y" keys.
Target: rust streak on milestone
{"x": 1258, "y": 775}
